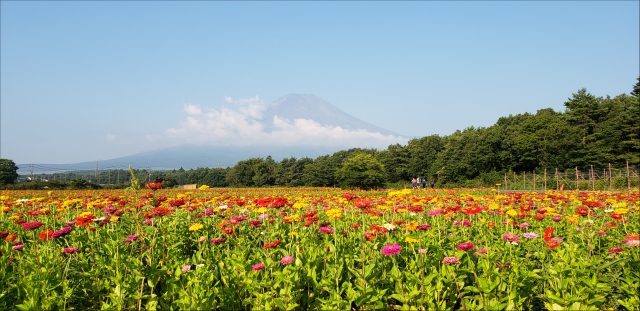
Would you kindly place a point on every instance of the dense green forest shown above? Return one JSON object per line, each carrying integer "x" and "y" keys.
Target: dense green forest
{"x": 592, "y": 131}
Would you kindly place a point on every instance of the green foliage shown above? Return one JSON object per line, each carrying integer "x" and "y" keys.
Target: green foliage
{"x": 361, "y": 171}
{"x": 8, "y": 172}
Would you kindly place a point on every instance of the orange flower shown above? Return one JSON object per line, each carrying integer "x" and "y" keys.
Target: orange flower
{"x": 11, "y": 237}
{"x": 633, "y": 236}
{"x": 85, "y": 219}
{"x": 491, "y": 224}
{"x": 552, "y": 244}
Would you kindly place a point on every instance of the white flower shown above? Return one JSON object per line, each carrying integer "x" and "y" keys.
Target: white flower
{"x": 99, "y": 219}
{"x": 22, "y": 200}
{"x": 223, "y": 207}
{"x": 608, "y": 211}
{"x": 389, "y": 226}
{"x": 412, "y": 214}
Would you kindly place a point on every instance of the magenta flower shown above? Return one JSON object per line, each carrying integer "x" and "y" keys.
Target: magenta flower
{"x": 391, "y": 249}
{"x": 257, "y": 267}
{"x": 132, "y": 237}
{"x": 326, "y": 230}
{"x": 524, "y": 225}
{"x": 424, "y": 227}
{"x": 62, "y": 232}
{"x": 286, "y": 260}
{"x": 70, "y": 250}
{"x": 556, "y": 218}
{"x": 186, "y": 268}
{"x": 451, "y": 260}
{"x": 70, "y": 223}
{"x": 149, "y": 222}
{"x": 434, "y": 212}
{"x": 465, "y": 246}
{"x": 18, "y": 247}
{"x": 218, "y": 240}
{"x": 615, "y": 250}
{"x": 31, "y": 225}
{"x": 530, "y": 235}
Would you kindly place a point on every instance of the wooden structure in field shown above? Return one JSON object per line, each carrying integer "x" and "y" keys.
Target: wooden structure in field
{"x": 190, "y": 186}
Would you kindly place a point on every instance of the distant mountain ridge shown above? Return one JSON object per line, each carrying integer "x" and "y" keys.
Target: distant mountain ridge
{"x": 289, "y": 107}
{"x": 309, "y": 106}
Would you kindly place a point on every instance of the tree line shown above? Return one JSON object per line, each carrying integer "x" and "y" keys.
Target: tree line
{"x": 592, "y": 130}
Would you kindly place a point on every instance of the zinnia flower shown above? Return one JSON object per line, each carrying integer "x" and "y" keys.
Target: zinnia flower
{"x": 46, "y": 234}
{"x": 257, "y": 267}
{"x": 633, "y": 243}
{"x": 69, "y": 250}
{"x": 218, "y": 240}
{"x": 195, "y": 227}
{"x": 18, "y": 247}
{"x": 61, "y": 232}
{"x": 513, "y": 238}
{"x": 286, "y": 260}
{"x": 422, "y": 251}
{"x": 465, "y": 246}
{"x": 186, "y": 268}
{"x": 132, "y": 237}
{"x": 450, "y": 260}
{"x": 391, "y": 249}
{"x": 530, "y": 235}
{"x": 31, "y": 225}
{"x": 615, "y": 250}
{"x": 326, "y": 230}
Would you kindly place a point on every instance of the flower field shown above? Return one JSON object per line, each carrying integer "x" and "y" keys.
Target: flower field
{"x": 319, "y": 249}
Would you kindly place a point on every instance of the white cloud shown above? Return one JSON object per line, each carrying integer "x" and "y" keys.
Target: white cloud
{"x": 192, "y": 109}
{"x": 110, "y": 137}
{"x": 245, "y": 127}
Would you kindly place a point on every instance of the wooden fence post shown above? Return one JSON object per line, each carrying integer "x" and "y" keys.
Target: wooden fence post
{"x": 628, "y": 178}
{"x": 577, "y": 180}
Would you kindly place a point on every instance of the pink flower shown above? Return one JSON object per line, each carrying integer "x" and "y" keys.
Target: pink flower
{"x": 422, "y": 251}
{"x": 465, "y": 246}
{"x": 257, "y": 267}
{"x": 186, "y": 268}
{"x": 481, "y": 251}
{"x": 633, "y": 243}
{"x": 524, "y": 225}
{"x": 513, "y": 238}
{"x": 31, "y": 225}
{"x": 286, "y": 260}
{"x": 326, "y": 230}
{"x": 530, "y": 235}
{"x": 391, "y": 249}
{"x": 70, "y": 250}
{"x": 450, "y": 260}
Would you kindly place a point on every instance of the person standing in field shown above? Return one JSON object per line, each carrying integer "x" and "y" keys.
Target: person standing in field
{"x": 413, "y": 183}
{"x": 432, "y": 182}
{"x": 424, "y": 183}
{"x": 418, "y": 183}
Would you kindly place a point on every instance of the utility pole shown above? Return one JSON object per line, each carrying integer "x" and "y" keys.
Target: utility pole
{"x": 31, "y": 171}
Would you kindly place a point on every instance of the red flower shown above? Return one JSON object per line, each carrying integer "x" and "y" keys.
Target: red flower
{"x": 154, "y": 185}
{"x": 227, "y": 230}
{"x": 46, "y": 234}
{"x": 539, "y": 216}
{"x": 548, "y": 234}
{"x": 552, "y": 244}
{"x": 273, "y": 244}
{"x": 85, "y": 221}
{"x": 31, "y": 225}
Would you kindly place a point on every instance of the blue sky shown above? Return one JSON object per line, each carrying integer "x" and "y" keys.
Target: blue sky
{"x": 86, "y": 81}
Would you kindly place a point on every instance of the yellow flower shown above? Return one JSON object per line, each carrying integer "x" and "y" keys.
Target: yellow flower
{"x": 293, "y": 233}
{"x": 260, "y": 210}
{"x": 334, "y": 213}
{"x": 292, "y": 218}
{"x": 14, "y": 217}
{"x": 114, "y": 219}
{"x": 512, "y": 212}
{"x": 483, "y": 220}
{"x": 494, "y": 206}
{"x": 203, "y": 187}
{"x": 411, "y": 226}
{"x": 3, "y": 197}
{"x": 402, "y": 210}
{"x": 195, "y": 227}
{"x": 411, "y": 240}
{"x": 299, "y": 205}
{"x": 574, "y": 219}
{"x": 621, "y": 211}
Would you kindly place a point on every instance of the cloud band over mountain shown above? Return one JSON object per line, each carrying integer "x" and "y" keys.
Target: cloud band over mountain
{"x": 292, "y": 120}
